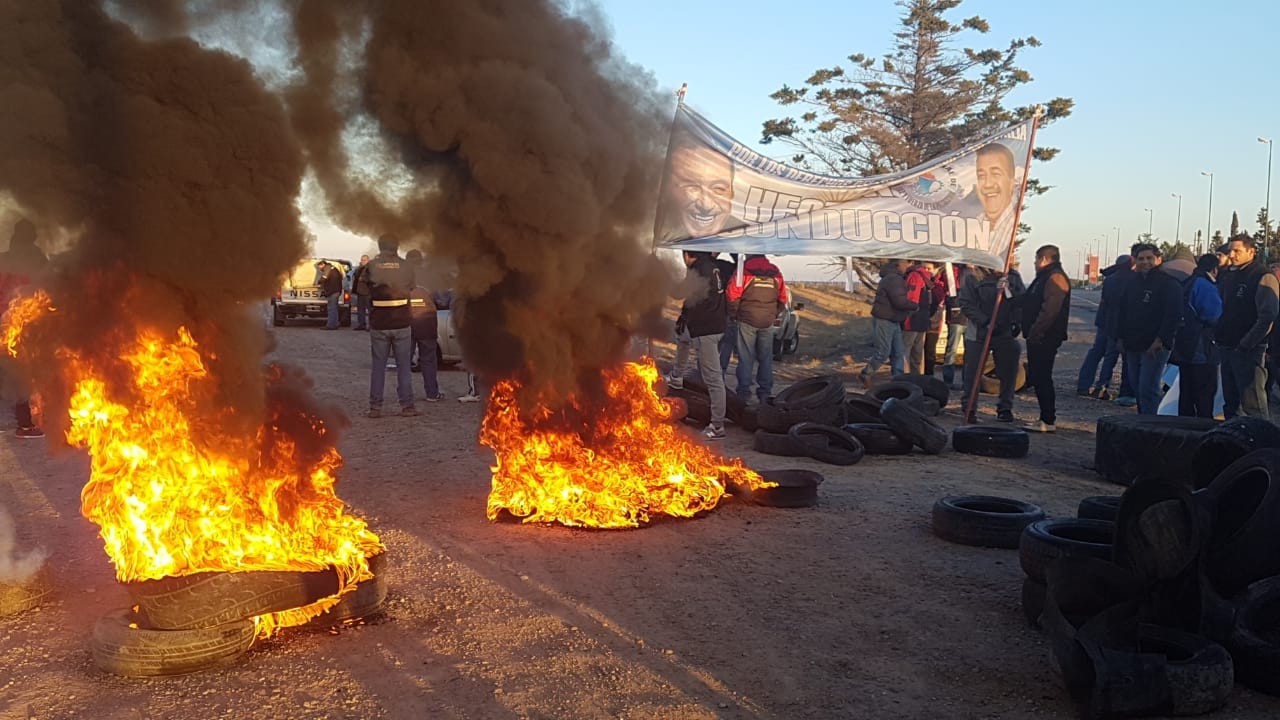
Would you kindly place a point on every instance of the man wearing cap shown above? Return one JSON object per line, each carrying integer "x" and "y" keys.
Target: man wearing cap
{"x": 1250, "y": 300}
{"x": 390, "y": 279}
{"x": 331, "y": 288}
{"x": 1104, "y": 351}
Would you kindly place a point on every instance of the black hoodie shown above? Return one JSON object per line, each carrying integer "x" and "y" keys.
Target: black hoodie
{"x": 705, "y": 310}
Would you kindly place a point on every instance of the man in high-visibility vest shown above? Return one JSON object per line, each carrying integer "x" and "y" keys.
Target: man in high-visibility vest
{"x": 390, "y": 279}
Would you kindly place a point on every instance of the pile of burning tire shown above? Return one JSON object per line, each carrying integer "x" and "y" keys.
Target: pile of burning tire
{"x": 196, "y": 622}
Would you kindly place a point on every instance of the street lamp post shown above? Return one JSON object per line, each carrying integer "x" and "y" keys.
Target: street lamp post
{"x": 1208, "y": 227}
{"x": 1177, "y": 232}
{"x": 1113, "y": 227}
{"x": 1150, "y": 220}
{"x": 1266, "y": 229}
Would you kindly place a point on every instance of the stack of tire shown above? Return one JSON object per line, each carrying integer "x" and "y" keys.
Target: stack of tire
{"x": 804, "y": 421}
{"x": 1189, "y": 600}
{"x": 693, "y": 403}
{"x": 27, "y": 593}
{"x": 196, "y": 622}
{"x": 1130, "y": 447}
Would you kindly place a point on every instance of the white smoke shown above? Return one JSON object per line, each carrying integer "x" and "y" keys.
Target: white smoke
{"x": 16, "y": 567}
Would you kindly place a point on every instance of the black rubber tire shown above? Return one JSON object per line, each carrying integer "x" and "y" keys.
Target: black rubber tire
{"x": 988, "y": 384}
{"x": 677, "y": 408}
{"x": 19, "y": 597}
{"x": 344, "y": 317}
{"x": 1044, "y": 541}
{"x": 931, "y": 386}
{"x": 859, "y": 408}
{"x": 910, "y": 423}
{"x": 750, "y": 419}
{"x": 1033, "y": 599}
{"x": 699, "y": 405}
{"x": 693, "y": 388}
{"x": 826, "y": 443}
{"x": 1166, "y": 672}
{"x": 779, "y": 419}
{"x": 123, "y": 644}
{"x": 983, "y": 520}
{"x": 780, "y": 444}
{"x": 796, "y": 489}
{"x": 903, "y": 392}
{"x": 1160, "y": 530}
{"x": 363, "y": 602}
{"x": 1128, "y": 447}
{"x": 930, "y": 407}
{"x": 210, "y": 599}
{"x": 1001, "y": 441}
{"x": 1229, "y": 442}
{"x": 1255, "y": 641}
{"x": 879, "y": 439}
{"x": 277, "y": 316}
{"x": 1244, "y": 501}
{"x": 1099, "y": 507}
{"x": 811, "y": 393}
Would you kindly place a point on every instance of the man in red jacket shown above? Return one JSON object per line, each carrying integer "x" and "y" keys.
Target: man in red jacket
{"x": 923, "y": 290}
{"x": 754, "y": 304}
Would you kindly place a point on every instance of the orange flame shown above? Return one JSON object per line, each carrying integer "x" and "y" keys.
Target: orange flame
{"x": 174, "y": 491}
{"x": 623, "y": 463}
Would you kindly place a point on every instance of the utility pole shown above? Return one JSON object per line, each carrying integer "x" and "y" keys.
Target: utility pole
{"x": 1208, "y": 228}
{"x": 1177, "y": 232}
{"x": 1266, "y": 229}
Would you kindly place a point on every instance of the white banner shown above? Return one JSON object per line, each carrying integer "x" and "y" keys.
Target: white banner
{"x": 719, "y": 195}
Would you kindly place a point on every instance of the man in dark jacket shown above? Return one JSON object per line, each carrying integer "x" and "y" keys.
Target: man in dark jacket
{"x": 331, "y": 288}
{"x": 1194, "y": 350}
{"x": 1045, "y": 309}
{"x": 728, "y": 341}
{"x": 1149, "y": 318}
{"x": 888, "y": 312}
{"x": 1249, "y": 307}
{"x": 703, "y": 316}
{"x": 424, "y": 328}
{"x": 754, "y": 305}
{"x": 390, "y": 279}
{"x": 1100, "y": 362}
{"x": 361, "y": 290}
{"x": 978, "y": 302}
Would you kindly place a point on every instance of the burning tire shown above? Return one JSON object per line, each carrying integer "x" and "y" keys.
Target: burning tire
{"x": 365, "y": 601}
{"x": 779, "y": 444}
{"x": 123, "y": 644}
{"x": 879, "y": 439}
{"x": 18, "y": 597}
{"x": 1044, "y": 541}
{"x": 214, "y": 598}
{"x": 908, "y": 422}
{"x": 991, "y": 441}
{"x": 678, "y": 408}
{"x": 827, "y": 444}
{"x": 983, "y": 520}
{"x": 796, "y": 488}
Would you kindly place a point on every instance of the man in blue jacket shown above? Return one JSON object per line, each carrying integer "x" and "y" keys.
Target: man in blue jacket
{"x": 1194, "y": 350}
{"x": 1149, "y": 318}
{"x": 1104, "y": 352}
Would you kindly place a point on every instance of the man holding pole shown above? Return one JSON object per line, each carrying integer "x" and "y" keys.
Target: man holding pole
{"x": 1045, "y": 310}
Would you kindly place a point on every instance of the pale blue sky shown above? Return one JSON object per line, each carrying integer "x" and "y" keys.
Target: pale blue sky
{"x": 1163, "y": 91}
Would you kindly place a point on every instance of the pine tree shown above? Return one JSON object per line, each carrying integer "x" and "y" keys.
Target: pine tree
{"x": 1235, "y": 224}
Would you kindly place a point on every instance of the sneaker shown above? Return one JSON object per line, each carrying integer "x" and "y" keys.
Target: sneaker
{"x": 675, "y": 382}
{"x": 435, "y": 398}
{"x": 469, "y": 398}
{"x": 711, "y": 432}
{"x": 1039, "y": 426}
{"x": 1005, "y": 416}
{"x": 373, "y": 413}
{"x": 410, "y": 411}
{"x": 1126, "y": 401}
{"x": 29, "y": 433}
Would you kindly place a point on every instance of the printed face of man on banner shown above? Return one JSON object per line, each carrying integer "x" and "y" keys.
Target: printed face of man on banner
{"x": 701, "y": 189}
{"x": 995, "y": 180}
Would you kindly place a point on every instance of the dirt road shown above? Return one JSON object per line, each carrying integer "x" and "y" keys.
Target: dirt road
{"x": 852, "y": 609}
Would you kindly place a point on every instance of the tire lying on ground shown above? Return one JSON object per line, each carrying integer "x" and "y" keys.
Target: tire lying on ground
{"x": 123, "y": 644}
{"x": 910, "y": 423}
{"x": 812, "y": 393}
{"x": 1228, "y": 442}
{"x": 209, "y": 599}
{"x": 771, "y": 443}
{"x": 1044, "y": 541}
{"x": 859, "y": 408}
{"x": 1099, "y": 507}
{"x": 796, "y": 488}
{"x": 904, "y": 392}
{"x": 827, "y": 444}
{"x": 983, "y": 520}
{"x": 677, "y": 408}
{"x": 930, "y": 407}
{"x": 362, "y": 602}
{"x": 1131, "y": 446}
{"x": 989, "y": 384}
{"x": 931, "y": 386}
{"x": 1255, "y": 641}
{"x": 1160, "y": 530}
{"x": 1033, "y": 596}
{"x": 879, "y": 439}
{"x": 780, "y": 419}
{"x": 1165, "y": 672}
{"x": 999, "y": 441}
{"x": 697, "y": 404}
{"x": 1244, "y": 540}
{"x": 22, "y": 595}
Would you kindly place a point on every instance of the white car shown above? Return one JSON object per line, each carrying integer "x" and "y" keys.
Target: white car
{"x": 300, "y": 297}
{"x": 448, "y": 351}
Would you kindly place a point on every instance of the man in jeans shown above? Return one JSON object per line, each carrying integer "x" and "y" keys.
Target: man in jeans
{"x": 390, "y": 279}
{"x": 1100, "y": 361}
{"x": 703, "y": 317}
{"x": 1149, "y": 319}
{"x": 361, "y": 290}
{"x": 888, "y": 311}
{"x": 1045, "y": 309}
{"x": 331, "y": 288}
{"x": 956, "y": 321}
{"x": 925, "y": 293}
{"x": 1249, "y": 306}
{"x": 754, "y": 304}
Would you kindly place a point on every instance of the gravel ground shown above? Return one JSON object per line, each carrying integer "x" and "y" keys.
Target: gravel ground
{"x": 850, "y": 609}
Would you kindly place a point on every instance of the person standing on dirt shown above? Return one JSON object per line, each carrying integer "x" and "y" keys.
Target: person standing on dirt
{"x": 754, "y": 305}
{"x": 1195, "y": 351}
{"x": 1250, "y": 299}
{"x": 361, "y": 289}
{"x": 390, "y": 280}
{"x": 1045, "y": 310}
{"x": 1100, "y": 362}
{"x": 19, "y": 267}
{"x": 1149, "y": 318}
{"x": 424, "y": 328}
{"x": 331, "y": 288}
{"x": 978, "y": 302}
{"x": 703, "y": 316}
{"x": 728, "y": 341}
{"x": 956, "y": 321}
{"x": 888, "y": 311}
{"x": 924, "y": 291}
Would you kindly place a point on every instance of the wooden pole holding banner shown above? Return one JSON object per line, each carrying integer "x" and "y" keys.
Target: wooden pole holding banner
{"x": 653, "y": 247}
{"x": 972, "y": 404}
